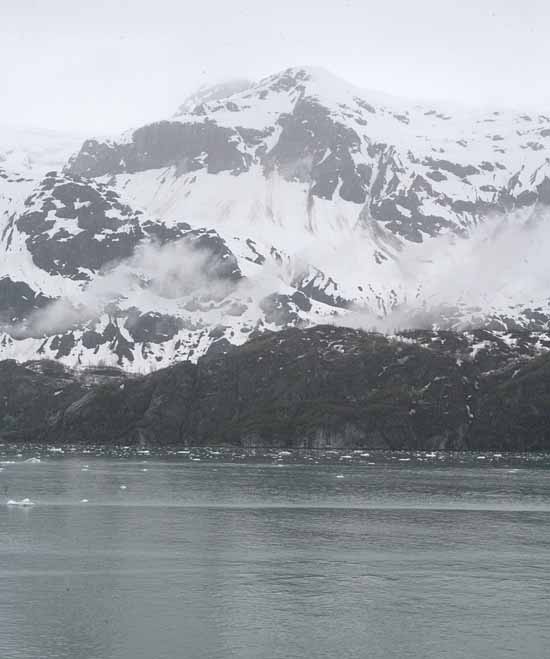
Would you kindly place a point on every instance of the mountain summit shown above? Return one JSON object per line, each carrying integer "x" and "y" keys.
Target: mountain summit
{"x": 296, "y": 200}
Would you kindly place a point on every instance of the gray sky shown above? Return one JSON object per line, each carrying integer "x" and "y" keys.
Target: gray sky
{"x": 105, "y": 65}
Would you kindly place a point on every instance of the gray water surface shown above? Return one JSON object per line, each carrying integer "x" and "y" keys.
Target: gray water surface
{"x": 212, "y": 560}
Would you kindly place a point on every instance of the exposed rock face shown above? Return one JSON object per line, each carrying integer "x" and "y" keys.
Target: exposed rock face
{"x": 151, "y": 326}
{"x": 187, "y": 146}
{"x": 18, "y": 301}
{"x": 319, "y": 388}
{"x": 74, "y": 227}
{"x": 315, "y": 148}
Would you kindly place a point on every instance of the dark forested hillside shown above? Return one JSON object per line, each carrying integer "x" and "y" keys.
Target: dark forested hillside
{"x": 315, "y": 388}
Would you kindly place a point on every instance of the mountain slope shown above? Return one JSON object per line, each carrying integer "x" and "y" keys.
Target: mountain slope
{"x": 305, "y": 135}
{"x": 321, "y": 388}
{"x": 294, "y": 201}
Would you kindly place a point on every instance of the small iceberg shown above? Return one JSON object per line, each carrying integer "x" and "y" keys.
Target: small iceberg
{"x": 33, "y": 461}
{"x": 24, "y": 503}
{"x": 340, "y": 476}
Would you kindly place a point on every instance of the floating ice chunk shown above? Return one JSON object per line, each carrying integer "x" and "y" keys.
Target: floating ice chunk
{"x": 340, "y": 476}
{"x": 24, "y": 502}
{"x": 83, "y": 500}
{"x": 33, "y": 461}
{"x": 123, "y": 487}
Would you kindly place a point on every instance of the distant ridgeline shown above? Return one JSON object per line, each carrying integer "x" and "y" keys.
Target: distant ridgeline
{"x": 323, "y": 387}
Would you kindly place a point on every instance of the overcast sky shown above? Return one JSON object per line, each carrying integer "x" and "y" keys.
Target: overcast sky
{"x": 106, "y": 65}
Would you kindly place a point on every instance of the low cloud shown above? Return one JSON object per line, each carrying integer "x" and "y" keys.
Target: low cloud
{"x": 174, "y": 270}
{"x": 500, "y": 266}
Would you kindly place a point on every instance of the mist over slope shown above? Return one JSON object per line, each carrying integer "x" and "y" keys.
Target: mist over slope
{"x": 290, "y": 202}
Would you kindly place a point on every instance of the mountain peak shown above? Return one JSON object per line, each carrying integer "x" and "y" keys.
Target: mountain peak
{"x": 210, "y": 93}
{"x": 316, "y": 197}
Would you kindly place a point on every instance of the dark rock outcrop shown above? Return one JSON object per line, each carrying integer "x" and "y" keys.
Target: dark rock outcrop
{"x": 189, "y": 146}
{"x": 18, "y": 300}
{"x": 74, "y": 227}
{"x": 317, "y": 388}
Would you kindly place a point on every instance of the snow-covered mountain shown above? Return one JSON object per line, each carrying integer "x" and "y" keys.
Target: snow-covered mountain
{"x": 296, "y": 200}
